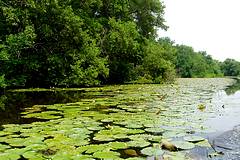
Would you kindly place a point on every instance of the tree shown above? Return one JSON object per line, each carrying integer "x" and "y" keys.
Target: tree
{"x": 231, "y": 67}
{"x": 148, "y": 15}
{"x": 195, "y": 64}
{"x": 48, "y": 43}
{"x": 155, "y": 66}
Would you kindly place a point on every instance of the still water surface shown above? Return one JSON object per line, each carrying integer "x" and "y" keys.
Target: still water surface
{"x": 135, "y": 111}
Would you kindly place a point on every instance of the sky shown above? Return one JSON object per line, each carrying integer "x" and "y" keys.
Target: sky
{"x": 206, "y": 25}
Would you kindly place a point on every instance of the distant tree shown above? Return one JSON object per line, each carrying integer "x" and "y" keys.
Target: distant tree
{"x": 231, "y": 67}
{"x": 156, "y": 66}
{"x": 184, "y": 63}
{"x": 195, "y": 64}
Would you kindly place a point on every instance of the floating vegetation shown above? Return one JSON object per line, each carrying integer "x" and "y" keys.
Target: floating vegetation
{"x": 183, "y": 145}
{"x": 135, "y": 122}
{"x": 151, "y": 151}
{"x": 194, "y": 138}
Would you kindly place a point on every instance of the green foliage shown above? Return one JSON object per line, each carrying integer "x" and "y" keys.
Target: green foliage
{"x": 155, "y": 65}
{"x": 92, "y": 42}
{"x": 52, "y": 43}
{"x": 148, "y": 14}
{"x": 51, "y": 46}
{"x": 231, "y": 67}
{"x": 195, "y": 64}
{"x": 122, "y": 49}
{"x": 2, "y": 82}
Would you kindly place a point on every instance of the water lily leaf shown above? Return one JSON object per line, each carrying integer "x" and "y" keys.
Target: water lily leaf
{"x": 37, "y": 147}
{"x": 118, "y": 145}
{"x": 155, "y": 138}
{"x": 106, "y": 155}
{"x": 134, "y": 131}
{"x": 82, "y": 157}
{"x": 9, "y": 156}
{"x": 82, "y": 149}
{"x": 62, "y": 156}
{"x": 95, "y": 128}
{"x": 16, "y": 142}
{"x": 155, "y": 130}
{"x": 33, "y": 155}
{"x": 139, "y": 143}
{"x": 12, "y": 154}
{"x": 136, "y": 158}
{"x": 96, "y": 148}
{"x": 204, "y": 143}
{"x": 173, "y": 134}
{"x": 107, "y": 120}
{"x": 44, "y": 115}
{"x": 10, "y": 128}
{"x": 4, "y": 133}
{"x": 132, "y": 125}
{"x": 194, "y": 138}
{"x": 120, "y": 136}
{"x": 151, "y": 151}
{"x": 104, "y": 138}
{"x": 183, "y": 145}
{"x": 4, "y": 147}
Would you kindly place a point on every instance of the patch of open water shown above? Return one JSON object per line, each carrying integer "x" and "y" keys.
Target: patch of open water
{"x": 228, "y": 113}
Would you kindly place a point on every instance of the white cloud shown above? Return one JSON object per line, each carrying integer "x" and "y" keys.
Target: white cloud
{"x": 206, "y": 25}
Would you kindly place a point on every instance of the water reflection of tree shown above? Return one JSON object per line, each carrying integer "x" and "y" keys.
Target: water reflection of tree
{"x": 234, "y": 88}
{"x": 3, "y": 99}
{"x": 13, "y": 103}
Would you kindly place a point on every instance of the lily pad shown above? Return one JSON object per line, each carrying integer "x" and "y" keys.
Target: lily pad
{"x": 155, "y": 130}
{"x": 33, "y": 155}
{"x": 9, "y": 156}
{"x": 4, "y": 147}
{"x": 16, "y": 142}
{"x": 104, "y": 138}
{"x": 138, "y": 143}
{"x": 82, "y": 157}
{"x": 194, "y": 139}
{"x": 183, "y": 145}
{"x": 96, "y": 148}
{"x": 204, "y": 143}
{"x": 106, "y": 155}
{"x": 151, "y": 151}
{"x": 118, "y": 145}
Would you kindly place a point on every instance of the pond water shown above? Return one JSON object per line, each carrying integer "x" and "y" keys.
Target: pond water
{"x": 117, "y": 122}
{"x": 229, "y": 111}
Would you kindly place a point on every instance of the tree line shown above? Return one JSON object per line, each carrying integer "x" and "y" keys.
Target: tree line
{"x": 92, "y": 42}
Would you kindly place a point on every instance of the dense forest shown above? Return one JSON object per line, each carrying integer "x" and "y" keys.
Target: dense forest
{"x": 91, "y": 42}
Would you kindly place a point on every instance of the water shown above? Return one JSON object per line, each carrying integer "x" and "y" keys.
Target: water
{"x": 227, "y": 103}
{"x": 90, "y": 122}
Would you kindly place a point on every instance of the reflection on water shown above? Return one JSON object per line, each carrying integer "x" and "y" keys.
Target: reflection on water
{"x": 13, "y": 103}
{"x": 228, "y": 104}
{"x": 234, "y": 88}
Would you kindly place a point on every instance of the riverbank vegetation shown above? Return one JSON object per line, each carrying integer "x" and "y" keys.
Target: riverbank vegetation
{"x": 92, "y": 42}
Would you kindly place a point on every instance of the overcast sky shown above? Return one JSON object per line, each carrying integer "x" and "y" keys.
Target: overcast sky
{"x": 206, "y": 25}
